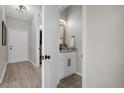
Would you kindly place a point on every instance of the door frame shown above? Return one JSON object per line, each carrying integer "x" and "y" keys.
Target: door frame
{"x": 21, "y": 30}
{"x": 37, "y": 47}
{"x": 84, "y": 50}
{"x": 84, "y": 46}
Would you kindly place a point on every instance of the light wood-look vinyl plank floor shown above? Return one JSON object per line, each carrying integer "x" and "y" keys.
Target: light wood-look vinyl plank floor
{"x": 22, "y": 75}
{"x": 73, "y": 81}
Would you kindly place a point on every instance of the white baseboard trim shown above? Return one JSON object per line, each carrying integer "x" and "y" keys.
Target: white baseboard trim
{"x": 18, "y": 61}
{"x": 4, "y": 70}
{"x": 78, "y": 73}
{"x": 33, "y": 63}
{"x": 24, "y": 60}
{"x": 58, "y": 81}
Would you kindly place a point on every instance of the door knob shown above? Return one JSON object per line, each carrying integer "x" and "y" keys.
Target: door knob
{"x": 46, "y": 57}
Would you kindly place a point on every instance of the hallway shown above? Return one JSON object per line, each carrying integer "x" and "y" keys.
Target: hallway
{"x": 22, "y": 75}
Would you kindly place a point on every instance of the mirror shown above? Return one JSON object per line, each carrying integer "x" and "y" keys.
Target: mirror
{"x": 62, "y": 33}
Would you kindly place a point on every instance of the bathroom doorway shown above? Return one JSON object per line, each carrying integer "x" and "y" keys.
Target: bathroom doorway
{"x": 70, "y": 47}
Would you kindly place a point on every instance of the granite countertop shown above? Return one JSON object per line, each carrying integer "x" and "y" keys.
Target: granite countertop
{"x": 68, "y": 50}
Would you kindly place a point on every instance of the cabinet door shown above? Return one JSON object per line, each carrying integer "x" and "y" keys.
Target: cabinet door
{"x": 70, "y": 63}
{"x": 73, "y": 66}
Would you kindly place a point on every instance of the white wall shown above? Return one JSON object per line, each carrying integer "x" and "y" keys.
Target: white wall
{"x": 105, "y": 46}
{"x": 74, "y": 28}
{"x": 63, "y": 15}
{"x": 16, "y": 23}
{"x": 3, "y": 49}
{"x": 33, "y": 39}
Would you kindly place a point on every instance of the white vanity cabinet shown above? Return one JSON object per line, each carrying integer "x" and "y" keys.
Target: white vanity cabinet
{"x": 67, "y": 64}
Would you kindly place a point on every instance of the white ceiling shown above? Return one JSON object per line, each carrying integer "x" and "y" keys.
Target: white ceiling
{"x": 31, "y": 9}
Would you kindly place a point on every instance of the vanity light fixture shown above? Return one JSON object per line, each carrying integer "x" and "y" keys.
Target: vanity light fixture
{"x": 62, "y": 21}
{"x": 21, "y": 9}
{"x": 41, "y": 26}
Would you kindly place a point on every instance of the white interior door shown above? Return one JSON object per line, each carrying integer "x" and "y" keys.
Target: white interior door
{"x": 50, "y": 45}
{"x": 17, "y": 45}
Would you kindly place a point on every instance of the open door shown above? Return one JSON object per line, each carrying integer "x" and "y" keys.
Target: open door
{"x": 50, "y": 49}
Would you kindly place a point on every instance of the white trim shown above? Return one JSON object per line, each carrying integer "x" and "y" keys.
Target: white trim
{"x": 32, "y": 63}
{"x": 14, "y": 29}
{"x": 25, "y": 60}
{"x": 58, "y": 81}
{"x": 84, "y": 49}
{"x": 18, "y": 61}
{"x": 78, "y": 73}
{"x": 4, "y": 70}
{"x": 37, "y": 45}
{"x": 43, "y": 67}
